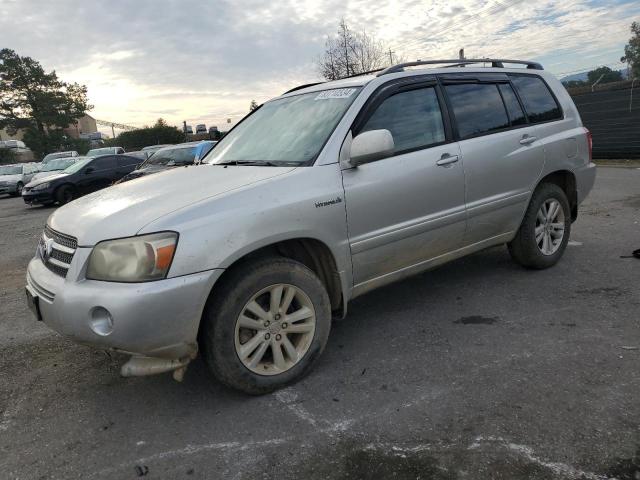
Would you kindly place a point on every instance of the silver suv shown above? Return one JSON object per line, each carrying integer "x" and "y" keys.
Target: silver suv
{"x": 318, "y": 196}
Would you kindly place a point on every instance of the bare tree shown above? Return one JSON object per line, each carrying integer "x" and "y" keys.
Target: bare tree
{"x": 350, "y": 53}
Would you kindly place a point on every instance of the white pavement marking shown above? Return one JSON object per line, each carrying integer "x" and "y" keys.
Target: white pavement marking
{"x": 288, "y": 396}
{"x": 571, "y": 243}
{"x": 558, "y": 468}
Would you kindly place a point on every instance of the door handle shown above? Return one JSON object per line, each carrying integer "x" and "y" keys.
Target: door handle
{"x": 447, "y": 159}
{"x": 527, "y": 139}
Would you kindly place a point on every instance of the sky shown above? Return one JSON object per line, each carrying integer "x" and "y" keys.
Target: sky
{"x": 204, "y": 61}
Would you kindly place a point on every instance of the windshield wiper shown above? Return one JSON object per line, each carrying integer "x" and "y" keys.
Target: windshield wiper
{"x": 260, "y": 163}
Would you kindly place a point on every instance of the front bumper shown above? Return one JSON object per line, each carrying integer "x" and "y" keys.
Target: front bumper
{"x": 35, "y": 196}
{"x": 155, "y": 319}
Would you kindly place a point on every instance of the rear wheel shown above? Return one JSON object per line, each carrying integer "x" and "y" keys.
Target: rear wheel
{"x": 266, "y": 325}
{"x": 65, "y": 194}
{"x": 545, "y": 229}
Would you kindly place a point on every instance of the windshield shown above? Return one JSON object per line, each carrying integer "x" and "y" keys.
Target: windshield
{"x": 77, "y": 166}
{"x": 172, "y": 156}
{"x": 11, "y": 170}
{"x": 100, "y": 151}
{"x": 285, "y": 131}
{"x": 57, "y": 164}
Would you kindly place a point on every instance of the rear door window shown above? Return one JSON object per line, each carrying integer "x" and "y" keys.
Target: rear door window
{"x": 537, "y": 99}
{"x": 413, "y": 117}
{"x": 125, "y": 160}
{"x": 477, "y": 108}
{"x": 104, "y": 163}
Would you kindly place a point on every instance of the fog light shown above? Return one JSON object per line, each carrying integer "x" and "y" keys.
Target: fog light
{"x": 101, "y": 321}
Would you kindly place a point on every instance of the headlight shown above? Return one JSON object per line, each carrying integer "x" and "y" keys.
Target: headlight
{"x": 134, "y": 259}
{"x": 41, "y": 186}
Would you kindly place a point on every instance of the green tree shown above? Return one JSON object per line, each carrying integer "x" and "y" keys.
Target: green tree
{"x": 253, "y": 105}
{"x": 632, "y": 51}
{"x": 7, "y": 156}
{"x": 606, "y": 73}
{"x": 160, "y": 133}
{"x": 37, "y": 101}
{"x": 574, "y": 84}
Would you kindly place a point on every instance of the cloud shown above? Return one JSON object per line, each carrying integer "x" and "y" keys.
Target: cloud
{"x": 205, "y": 61}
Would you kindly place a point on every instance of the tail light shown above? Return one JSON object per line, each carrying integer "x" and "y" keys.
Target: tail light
{"x": 590, "y": 142}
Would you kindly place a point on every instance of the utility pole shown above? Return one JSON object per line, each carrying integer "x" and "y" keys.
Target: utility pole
{"x": 597, "y": 82}
{"x": 461, "y": 54}
{"x": 113, "y": 132}
{"x": 391, "y": 56}
{"x": 184, "y": 129}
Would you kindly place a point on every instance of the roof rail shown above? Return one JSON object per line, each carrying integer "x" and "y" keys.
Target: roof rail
{"x": 300, "y": 87}
{"x": 460, "y": 62}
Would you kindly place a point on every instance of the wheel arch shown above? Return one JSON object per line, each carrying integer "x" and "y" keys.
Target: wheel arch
{"x": 66, "y": 184}
{"x": 566, "y": 180}
{"x": 311, "y": 252}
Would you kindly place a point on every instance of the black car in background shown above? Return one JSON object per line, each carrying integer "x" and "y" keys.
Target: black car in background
{"x": 171, "y": 157}
{"x": 85, "y": 176}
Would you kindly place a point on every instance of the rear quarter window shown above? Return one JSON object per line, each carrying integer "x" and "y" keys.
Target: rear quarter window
{"x": 538, "y": 101}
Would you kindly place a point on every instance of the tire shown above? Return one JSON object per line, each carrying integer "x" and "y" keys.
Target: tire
{"x": 223, "y": 338}
{"x": 18, "y": 191}
{"x": 524, "y": 248}
{"x": 65, "y": 194}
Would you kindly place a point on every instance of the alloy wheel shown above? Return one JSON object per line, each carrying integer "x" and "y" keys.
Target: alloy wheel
{"x": 275, "y": 329}
{"x": 549, "y": 230}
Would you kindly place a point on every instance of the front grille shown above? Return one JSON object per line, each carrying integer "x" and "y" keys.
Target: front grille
{"x": 56, "y": 251}
{"x": 61, "y": 238}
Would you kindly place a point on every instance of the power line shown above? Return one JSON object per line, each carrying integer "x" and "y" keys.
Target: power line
{"x": 471, "y": 18}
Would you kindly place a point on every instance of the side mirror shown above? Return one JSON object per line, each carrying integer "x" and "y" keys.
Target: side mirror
{"x": 88, "y": 170}
{"x": 371, "y": 146}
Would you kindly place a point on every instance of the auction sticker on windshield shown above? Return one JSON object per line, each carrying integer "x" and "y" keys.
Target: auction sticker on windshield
{"x": 337, "y": 93}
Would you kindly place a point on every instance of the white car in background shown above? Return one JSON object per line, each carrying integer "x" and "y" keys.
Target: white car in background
{"x": 14, "y": 177}
{"x": 96, "y": 152}
{"x": 52, "y": 156}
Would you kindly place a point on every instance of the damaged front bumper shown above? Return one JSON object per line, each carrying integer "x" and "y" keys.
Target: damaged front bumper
{"x": 155, "y": 322}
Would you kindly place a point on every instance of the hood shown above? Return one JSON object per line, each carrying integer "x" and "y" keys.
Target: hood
{"x": 10, "y": 178}
{"x": 41, "y": 175}
{"x": 47, "y": 177}
{"x": 124, "y": 209}
{"x": 149, "y": 169}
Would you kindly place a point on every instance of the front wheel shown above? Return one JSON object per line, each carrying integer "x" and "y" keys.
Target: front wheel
{"x": 545, "y": 229}
{"x": 266, "y": 325}
{"x": 65, "y": 194}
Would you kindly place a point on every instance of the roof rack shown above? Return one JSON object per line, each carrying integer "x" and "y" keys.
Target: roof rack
{"x": 460, "y": 62}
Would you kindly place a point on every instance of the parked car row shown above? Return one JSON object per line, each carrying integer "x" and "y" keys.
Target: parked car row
{"x": 170, "y": 157}
{"x": 85, "y": 176}
{"x": 60, "y": 180}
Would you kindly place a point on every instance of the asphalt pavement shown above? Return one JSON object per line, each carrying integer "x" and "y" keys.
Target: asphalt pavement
{"x": 476, "y": 370}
